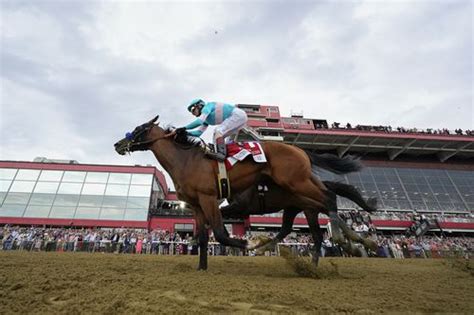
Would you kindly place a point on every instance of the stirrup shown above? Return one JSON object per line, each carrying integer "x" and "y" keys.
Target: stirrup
{"x": 215, "y": 156}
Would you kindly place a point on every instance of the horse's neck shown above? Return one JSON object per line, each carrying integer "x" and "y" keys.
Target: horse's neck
{"x": 173, "y": 160}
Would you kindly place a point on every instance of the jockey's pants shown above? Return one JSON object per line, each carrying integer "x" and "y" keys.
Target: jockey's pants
{"x": 236, "y": 121}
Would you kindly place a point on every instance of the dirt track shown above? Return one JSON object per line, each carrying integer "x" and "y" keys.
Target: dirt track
{"x": 76, "y": 283}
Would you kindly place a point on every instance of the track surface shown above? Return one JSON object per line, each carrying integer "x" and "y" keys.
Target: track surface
{"x": 76, "y": 283}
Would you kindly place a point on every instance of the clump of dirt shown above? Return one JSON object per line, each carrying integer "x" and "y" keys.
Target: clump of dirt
{"x": 463, "y": 264}
{"x": 303, "y": 266}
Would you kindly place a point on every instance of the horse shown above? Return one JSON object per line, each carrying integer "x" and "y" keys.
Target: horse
{"x": 254, "y": 201}
{"x": 194, "y": 177}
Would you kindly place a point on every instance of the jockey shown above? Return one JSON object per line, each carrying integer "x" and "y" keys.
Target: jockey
{"x": 228, "y": 118}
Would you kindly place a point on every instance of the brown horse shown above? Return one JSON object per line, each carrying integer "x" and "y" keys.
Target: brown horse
{"x": 255, "y": 201}
{"x": 194, "y": 177}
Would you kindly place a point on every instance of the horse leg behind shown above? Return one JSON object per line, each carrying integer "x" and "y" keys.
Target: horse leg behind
{"x": 353, "y": 236}
{"x": 288, "y": 219}
{"x": 316, "y": 233}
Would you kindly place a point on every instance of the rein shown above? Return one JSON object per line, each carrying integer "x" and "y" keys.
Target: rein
{"x": 151, "y": 141}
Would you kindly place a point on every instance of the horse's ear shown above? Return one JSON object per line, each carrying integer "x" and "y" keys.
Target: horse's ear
{"x": 154, "y": 119}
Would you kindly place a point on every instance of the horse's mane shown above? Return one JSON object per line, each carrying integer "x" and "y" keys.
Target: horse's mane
{"x": 184, "y": 139}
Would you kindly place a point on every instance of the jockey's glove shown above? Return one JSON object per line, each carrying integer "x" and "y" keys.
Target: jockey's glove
{"x": 180, "y": 130}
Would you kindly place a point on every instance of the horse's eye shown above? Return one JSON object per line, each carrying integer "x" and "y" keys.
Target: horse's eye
{"x": 128, "y": 136}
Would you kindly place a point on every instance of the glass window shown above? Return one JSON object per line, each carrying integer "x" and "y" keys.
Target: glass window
{"x": 114, "y": 201}
{"x": 138, "y": 202}
{"x": 51, "y": 176}
{"x": 7, "y": 173}
{"x": 12, "y": 210}
{"x": 42, "y": 199}
{"x": 141, "y": 179}
{"x": 27, "y": 175}
{"x": 97, "y": 177}
{"x": 119, "y": 178}
{"x": 136, "y": 214}
{"x": 139, "y": 191}
{"x": 2, "y": 196}
{"x": 66, "y": 200}
{"x": 62, "y": 212}
{"x": 20, "y": 186}
{"x": 70, "y": 188}
{"x": 87, "y": 213}
{"x": 93, "y": 189}
{"x": 90, "y": 201}
{"x": 37, "y": 211}
{"x": 116, "y": 190}
{"x": 5, "y": 184}
{"x": 46, "y": 187}
{"x": 112, "y": 213}
{"x": 17, "y": 198}
{"x": 76, "y": 177}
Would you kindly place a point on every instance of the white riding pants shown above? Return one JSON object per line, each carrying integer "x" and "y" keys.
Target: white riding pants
{"x": 236, "y": 121}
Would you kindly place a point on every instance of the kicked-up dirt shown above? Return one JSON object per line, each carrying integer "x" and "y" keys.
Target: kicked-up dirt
{"x": 76, "y": 283}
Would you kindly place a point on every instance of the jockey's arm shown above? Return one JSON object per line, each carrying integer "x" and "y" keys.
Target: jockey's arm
{"x": 200, "y": 122}
{"x": 199, "y": 131}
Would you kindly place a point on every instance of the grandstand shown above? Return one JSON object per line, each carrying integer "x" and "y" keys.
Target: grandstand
{"x": 427, "y": 171}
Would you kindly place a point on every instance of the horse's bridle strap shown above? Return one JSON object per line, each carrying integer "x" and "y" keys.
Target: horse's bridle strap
{"x": 151, "y": 141}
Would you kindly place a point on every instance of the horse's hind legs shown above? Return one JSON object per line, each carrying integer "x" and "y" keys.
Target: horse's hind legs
{"x": 316, "y": 233}
{"x": 288, "y": 219}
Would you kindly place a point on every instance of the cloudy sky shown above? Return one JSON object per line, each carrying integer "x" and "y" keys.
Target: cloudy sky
{"x": 76, "y": 75}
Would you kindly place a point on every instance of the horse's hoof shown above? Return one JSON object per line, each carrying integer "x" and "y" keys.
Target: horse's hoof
{"x": 370, "y": 244}
{"x": 251, "y": 244}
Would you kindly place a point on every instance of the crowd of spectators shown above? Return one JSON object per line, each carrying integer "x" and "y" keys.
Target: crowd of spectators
{"x": 160, "y": 242}
{"x": 406, "y": 216}
{"x": 389, "y": 129}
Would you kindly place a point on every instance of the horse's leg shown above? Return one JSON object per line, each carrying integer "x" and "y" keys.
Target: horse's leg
{"x": 337, "y": 225}
{"x": 316, "y": 233}
{"x": 368, "y": 243}
{"x": 237, "y": 207}
{"x": 288, "y": 219}
{"x": 203, "y": 239}
{"x": 213, "y": 215}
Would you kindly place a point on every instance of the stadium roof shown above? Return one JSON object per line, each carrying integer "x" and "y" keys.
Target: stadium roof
{"x": 266, "y": 123}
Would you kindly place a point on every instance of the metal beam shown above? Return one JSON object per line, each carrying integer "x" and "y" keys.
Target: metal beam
{"x": 444, "y": 156}
{"x": 342, "y": 151}
{"x": 296, "y": 138}
{"x": 394, "y": 153}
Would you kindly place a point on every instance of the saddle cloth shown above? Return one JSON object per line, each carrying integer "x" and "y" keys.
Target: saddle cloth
{"x": 240, "y": 150}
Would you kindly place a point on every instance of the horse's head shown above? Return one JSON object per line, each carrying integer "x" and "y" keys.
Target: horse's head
{"x": 138, "y": 139}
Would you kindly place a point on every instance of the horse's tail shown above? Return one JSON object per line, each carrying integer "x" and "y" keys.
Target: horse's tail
{"x": 335, "y": 164}
{"x": 351, "y": 193}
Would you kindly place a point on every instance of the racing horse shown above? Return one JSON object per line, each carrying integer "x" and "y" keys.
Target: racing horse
{"x": 267, "y": 197}
{"x": 194, "y": 177}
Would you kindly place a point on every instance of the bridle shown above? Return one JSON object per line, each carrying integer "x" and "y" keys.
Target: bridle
{"x": 148, "y": 142}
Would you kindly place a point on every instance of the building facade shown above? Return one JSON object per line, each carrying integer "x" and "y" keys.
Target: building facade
{"x": 75, "y": 194}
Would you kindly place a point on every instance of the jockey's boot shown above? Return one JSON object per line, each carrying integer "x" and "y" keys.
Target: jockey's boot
{"x": 220, "y": 152}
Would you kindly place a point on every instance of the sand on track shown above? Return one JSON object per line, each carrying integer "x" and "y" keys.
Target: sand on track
{"x": 75, "y": 283}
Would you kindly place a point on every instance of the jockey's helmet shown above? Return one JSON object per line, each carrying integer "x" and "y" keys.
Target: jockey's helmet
{"x": 194, "y": 103}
